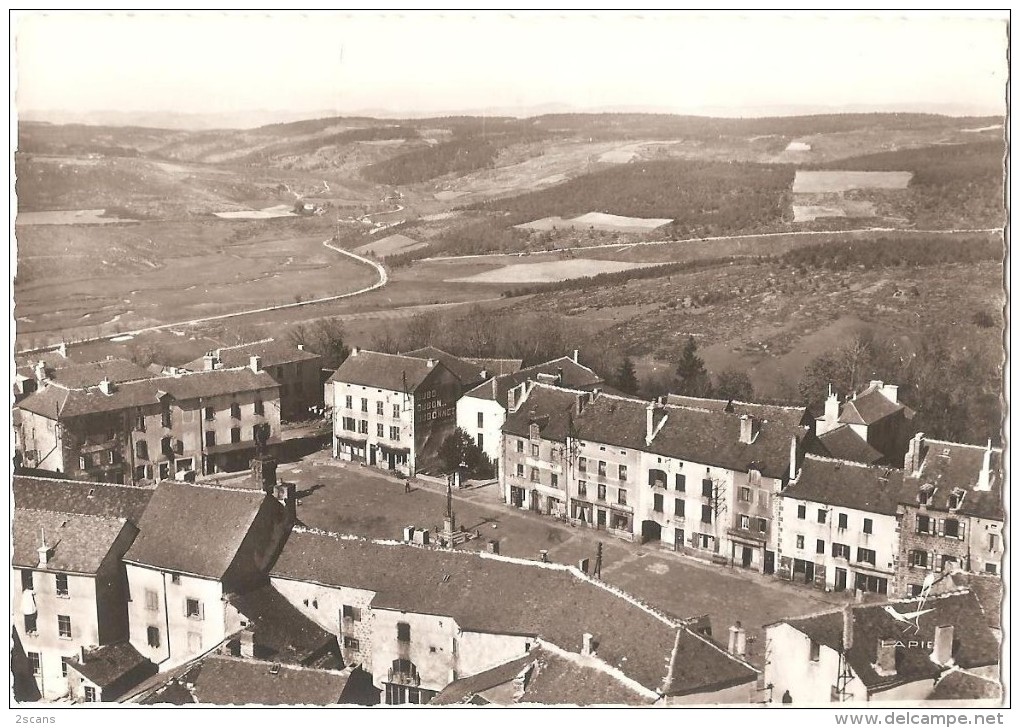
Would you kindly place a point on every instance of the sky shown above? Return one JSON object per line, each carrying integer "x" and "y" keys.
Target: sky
{"x": 427, "y": 63}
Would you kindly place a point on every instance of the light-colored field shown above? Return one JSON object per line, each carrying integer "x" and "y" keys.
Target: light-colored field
{"x": 68, "y": 217}
{"x": 821, "y": 181}
{"x": 390, "y": 245}
{"x": 556, "y": 270}
{"x": 266, "y": 214}
{"x": 844, "y": 208}
{"x": 598, "y": 221}
{"x": 798, "y": 147}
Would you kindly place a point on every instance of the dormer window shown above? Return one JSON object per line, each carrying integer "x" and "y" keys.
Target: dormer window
{"x": 925, "y": 495}
{"x": 533, "y": 431}
{"x": 956, "y": 498}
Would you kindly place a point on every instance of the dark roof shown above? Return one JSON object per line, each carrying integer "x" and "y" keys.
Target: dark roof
{"x": 960, "y": 685}
{"x": 987, "y": 589}
{"x": 709, "y": 437}
{"x": 549, "y": 679}
{"x": 282, "y": 633}
{"x": 496, "y": 595}
{"x": 977, "y": 646}
{"x": 498, "y": 367}
{"x": 75, "y": 375}
{"x": 77, "y": 543}
{"x": 847, "y": 485}
{"x": 222, "y": 680}
{"x": 949, "y": 465}
{"x": 575, "y": 376}
{"x": 869, "y": 407}
{"x": 843, "y": 443}
{"x": 466, "y": 372}
{"x": 76, "y": 496}
{"x": 107, "y": 664}
{"x": 194, "y": 529}
{"x": 395, "y": 372}
{"x": 272, "y": 353}
{"x": 550, "y": 407}
{"x": 54, "y": 401}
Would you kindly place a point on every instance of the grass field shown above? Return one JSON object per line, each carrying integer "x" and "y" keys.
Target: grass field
{"x": 808, "y": 181}
{"x": 558, "y": 270}
{"x": 390, "y": 245}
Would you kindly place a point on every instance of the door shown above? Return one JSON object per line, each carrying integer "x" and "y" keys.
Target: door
{"x": 601, "y": 518}
{"x": 809, "y": 572}
{"x": 650, "y": 531}
{"x": 371, "y": 455}
{"x": 770, "y": 562}
{"x": 534, "y": 501}
{"x": 392, "y": 457}
{"x": 678, "y": 539}
{"x": 840, "y": 579}
{"x": 745, "y": 559}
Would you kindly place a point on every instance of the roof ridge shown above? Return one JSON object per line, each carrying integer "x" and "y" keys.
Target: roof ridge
{"x": 75, "y": 514}
{"x": 247, "y": 343}
{"x": 961, "y": 444}
{"x": 283, "y": 665}
{"x": 863, "y": 466}
{"x": 595, "y": 662}
{"x": 961, "y": 591}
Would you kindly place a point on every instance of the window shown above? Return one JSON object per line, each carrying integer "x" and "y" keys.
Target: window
{"x": 925, "y": 524}
{"x": 802, "y": 512}
{"x": 678, "y": 507}
{"x": 745, "y": 494}
{"x": 623, "y": 473}
{"x": 363, "y": 427}
{"x": 379, "y": 408}
{"x": 352, "y": 613}
{"x": 554, "y": 480}
{"x": 235, "y": 410}
{"x": 800, "y": 542}
{"x": 815, "y": 651}
{"x": 842, "y": 521}
{"x": 64, "y": 626}
{"x": 152, "y": 636}
{"x": 993, "y": 541}
{"x": 918, "y": 558}
{"x": 866, "y": 556}
{"x": 819, "y": 546}
{"x": 764, "y": 499}
{"x": 582, "y": 488}
{"x": 821, "y": 515}
{"x": 167, "y": 446}
{"x": 602, "y": 491}
{"x": 763, "y": 525}
{"x": 681, "y": 482}
{"x": 260, "y": 407}
{"x": 535, "y": 450}
{"x": 991, "y": 568}
{"x": 64, "y": 659}
{"x": 31, "y": 623}
{"x": 840, "y": 551}
{"x": 520, "y": 448}
{"x": 481, "y": 420}
{"x": 706, "y": 514}
{"x": 868, "y": 527}
{"x": 520, "y": 470}
{"x": 351, "y": 643}
{"x": 658, "y": 503}
{"x": 349, "y": 424}
{"x": 142, "y": 450}
{"x": 192, "y": 608}
{"x": 235, "y": 434}
{"x": 349, "y": 402}
{"x": 139, "y": 421}
{"x": 165, "y": 417}
{"x": 621, "y": 496}
{"x": 152, "y": 600}
{"x": 706, "y": 487}
{"x": 395, "y": 433}
{"x": 210, "y": 438}
{"x": 951, "y": 528}
{"x": 364, "y": 404}
{"x": 480, "y": 442}
{"x": 534, "y": 476}
{"x": 380, "y": 429}
{"x": 27, "y": 580}
{"x": 745, "y": 522}
{"x": 210, "y": 414}
{"x": 582, "y": 465}
{"x": 61, "y": 585}
{"x": 396, "y": 411}
{"x": 602, "y": 468}
{"x": 403, "y": 632}
{"x": 35, "y": 659}
{"x": 90, "y": 694}
{"x": 175, "y": 578}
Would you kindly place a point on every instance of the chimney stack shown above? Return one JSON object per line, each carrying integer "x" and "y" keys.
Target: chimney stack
{"x": 62, "y": 349}
{"x": 830, "y": 420}
{"x": 355, "y": 351}
{"x": 43, "y": 550}
{"x": 588, "y": 644}
{"x": 246, "y": 641}
{"x": 559, "y": 376}
{"x": 301, "y": 347}
{"x": 82, "y": 654}
{"x": 40, "y": 372}
{"x": 285, "y": 493}
{"x": 574, "y": 357}
{"x": 793, "y": 458}
{"x": 942, "y": 654}
{"x": 848, "y": 627}
{"x": 885, "y": 661}
{"x": 748, "y": 429}
{"x": 890, "y": 392}
{"x": 255, "y": 363}
{"x": 984, "y": 482}
{"x": 915, "y": 449}
{"x": 741, "y": 642}
{"x": 735, "y": 631}
{"x": 430, "y": 363}
{"x": 209, "y": 361}
{"x": 649, "y": 422}
{"x": 106, "y": 386}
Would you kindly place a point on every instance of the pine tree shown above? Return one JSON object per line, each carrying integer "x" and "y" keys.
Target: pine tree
{"x": 626, "y": 377}
{"x": 690, "y": 371}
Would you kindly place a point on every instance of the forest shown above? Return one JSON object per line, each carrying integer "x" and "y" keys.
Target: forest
{"x": 891, "y": 251}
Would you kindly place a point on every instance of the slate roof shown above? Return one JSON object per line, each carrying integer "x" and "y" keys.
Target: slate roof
{"x": 107, "y": 664}
{"x": 843, "y": 443}
{"x": 78, "y": 543}
{"x": 282, "y": 633}
{"x": 551, "y": 679}
{"x": 575, "y": 376}
{"x": 88, "y": 374}
{"x": 466, "y": 372}
{"x": 194, "y": 529}
{"x": 847, "y": 485}
{"x": 395, "y": 372}
{"x": 56, "y": 402}
{"x": 505, "y": 597}
{"x": 786, "y": 413}
{"x": 272, "y": 353}
{"x": 869, "y": 407}
{"x": 694, "y": 435}
{"x": 498, "y": 367}
{"x": 76, "y": 496}
{"x": 977, "y": 646}
{"x": 551, "y": 407}
{"x": 960, "y": 685}
{"x": 949, "y": 465}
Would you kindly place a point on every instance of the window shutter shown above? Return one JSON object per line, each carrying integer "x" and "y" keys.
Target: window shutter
{"x": 910, "y": 557}
{"x": 185, "y": 604}
{"x": 201, "y": 610}
{"x": 962, "y": 530}
{"x": 940, "y": 523}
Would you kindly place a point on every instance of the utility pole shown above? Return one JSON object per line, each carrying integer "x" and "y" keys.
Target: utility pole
{"x": 597, "y": 571}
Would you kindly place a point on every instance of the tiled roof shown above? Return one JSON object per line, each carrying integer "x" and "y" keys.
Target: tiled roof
{"x": 847, "y": 485}
{"x": 194, "y": 529}
{"x": 394, "y": 372}
{"x": 89, "y": 374}
{"x": 107, "y": 664}
{"x": 78, "y": 543}
{"x": 843, "y": 443}
{"x": 575, "y": 376}
{"x": 949, "y": 465}
{"x": 869, "y": 407}
{"x": 498, "y": 367}
{"x": 551, "y": 407}
{"x": 54, "y": 401}
{"x": 695, "y": 435}
{"x": 977, "y": 646}
{"x": 502, "y": 596}
{"x": 272, "y": 353}
{"x": 76, "y": 496}
{"x": 960, "y": 685}
{"x": 550, "y": 679}
{"x": 466, "y": 372}
{"x": 282, "y": 633}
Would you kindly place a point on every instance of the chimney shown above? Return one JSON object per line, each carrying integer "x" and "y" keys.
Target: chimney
{"x": 649, "y": 422}
{"x": 748, "y": 429}
{"x": 62, "y": 349}
{"x": 255, "y": 363}
{"x": 793, "y": 458}
{"x": 40, "y": 372}
{"x": 209, "y": 361}
{"x": 735, "y": 630}
{"x": 915, "y": 451}
{"x": 559, "y": 376}
{"x": 263, "y": 473}
{"x": 984, "y": 482}
{"x": 875, "y": 384}
{"x": 848, "y": 627}
{"x": 493, "y": 546}
{"x": 44, "y": 550}
{"x": 494, "y": 388}
{"x": 588, "y": 644}
{"x": 580, "y": 402}
{"x": 285, "y": 493}
{"x": 355, "y": 351}
{"x": 574, "y": 357}
{"x": 246, "y": 641}
{"x": 483, "y": 375}
{"x": 106, "y": 386}
{"x": 830, "y": 419}
{"x": 942, "y": 653}
{"x": 890, "y": 392}
{"x": 741, "y": 645}
{"x": 301, "y": 347}
{"x": 82, "y": 655}
{"x": 885, "y": 661}
{"x": 430, "y": 363}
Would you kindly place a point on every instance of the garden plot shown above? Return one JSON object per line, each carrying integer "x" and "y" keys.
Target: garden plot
{"x": 599, "y": 221}
{"x": 554, "y": 270}
{"x": 390, "y": 245}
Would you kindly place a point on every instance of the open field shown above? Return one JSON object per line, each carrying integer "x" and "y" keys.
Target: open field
{"x": 390, "y": 245}
{"x": 559, "y": 270}
{"x": 598, "y": 221}
{"x": 69, "y": 217}
{"x": 267, "y": 214}
{"x": 808, "y": 181}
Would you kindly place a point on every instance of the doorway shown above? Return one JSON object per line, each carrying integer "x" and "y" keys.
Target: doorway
{"x": 371, "y": 455}
{"x": 770, "y": 562}
{"x": 746, "y": 557}
{"x": 650, "y": 531}
{"x": 840, "y": 580}
{"x": 601, "y": 518}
